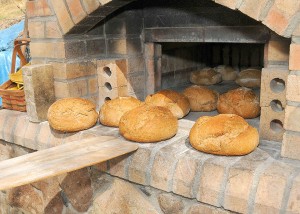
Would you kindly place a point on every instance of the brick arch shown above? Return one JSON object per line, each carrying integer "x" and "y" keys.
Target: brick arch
{"x": 78, "y": 17}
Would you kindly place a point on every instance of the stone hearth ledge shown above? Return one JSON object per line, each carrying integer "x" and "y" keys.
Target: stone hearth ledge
{"x": 261, "y": 182}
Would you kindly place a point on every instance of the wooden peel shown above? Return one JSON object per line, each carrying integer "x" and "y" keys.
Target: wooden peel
{"x": 61, "y": 159}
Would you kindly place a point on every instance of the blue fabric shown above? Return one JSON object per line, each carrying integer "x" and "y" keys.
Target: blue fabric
{"x": 7, "y": 37}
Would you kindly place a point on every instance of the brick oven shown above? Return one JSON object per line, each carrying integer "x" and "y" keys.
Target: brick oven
{"x": 101, "y": 49}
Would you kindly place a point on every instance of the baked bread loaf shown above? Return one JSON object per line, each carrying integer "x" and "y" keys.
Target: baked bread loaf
{"x": 176, "y": 102}
{"x": 201, "y": 98}
{"x": 206, "y": 76}
{"x": 148, "y": 124}
{"x": 227, "y": 72}
{"x": 250, "y": 78}
{"x": 72, "y": 114}
{"x": 241, "y": 101}
{"x": 224, "y": 134}
{"x": 112, "y": 110}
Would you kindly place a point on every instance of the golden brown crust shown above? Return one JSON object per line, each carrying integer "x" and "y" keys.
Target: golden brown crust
{"x": 176, "y": 102}
{"x": 241, "y": 101}
{"x": 72, "y": 114}
{"x": 224, "y": 134}
{"x": 227, "y": 72}
{"x": 201, "y": 98}
{"x": 206, "y": 76}
{"x": 148, "y": 124}
{"x": 112, "y": 110}
{"x": 250, "y": 78}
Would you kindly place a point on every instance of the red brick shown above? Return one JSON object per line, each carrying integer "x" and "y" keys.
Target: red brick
{"x": 276, "y": 21}
{"x": 76, "y": 10}
{"x": 291, "y": 145}
{"x": 2, "y": 122}
{"x": 9, "y": 125}
{"x": 293, "y": 88}
{"x": 90, "y": 6}
{"x": 297, "y": 30}
{"x": 294, "y": 63}
{"x": 210, "y": 189}
{"x": 61, "y": 89}
{"x": 30, "y": 136}
{"x": 78, "y": 88}
{"x": 92, "y": 85}
{"x": 278, "y": 51}
{"x": 52, "y": 30}
{"x": 56, "y": 138}
{"x": 292, "y": 118}
{"x": 240, "y": 179}
{"x": 20, "y": 130}
{"x": 63, "y": 16}
{"x": 137, "y": 171}
{"x": 47, "y": 49}
{"x": 294, "y": 199}
{"x": 253, "y": 8}
{"x": 281, "y": 14}
{"x": 37, "y": 8}
{"x": 36, "y": 29}
{"x": 185, "y": 173}
{"x": 165, "y": 162}
{"x": 228, "y": 3}
{"x": 118, "y": 166}
{"x": 271, "y": 187}
{"x": 43, "y": 136}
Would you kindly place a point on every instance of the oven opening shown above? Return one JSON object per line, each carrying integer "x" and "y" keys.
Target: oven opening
{"x": 178, "y": 60}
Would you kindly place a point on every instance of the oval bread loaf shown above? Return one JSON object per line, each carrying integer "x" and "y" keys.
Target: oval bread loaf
{"x": 241, "y": 101}
{"x": 112, "y": 110}
{"x": 176, "y": 102}
{"x": 206, "y": 76}
{"x": 227, "y": 72}
{"x": 250, "y": 78}
{"x": 148, "y": 124}
{"x": 201, "y": 98}
{"x": 224, "y": 134}
{"x": 72, "y": 114}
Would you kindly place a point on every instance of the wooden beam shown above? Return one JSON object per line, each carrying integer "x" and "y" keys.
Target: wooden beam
{"x": 61, "y": 159}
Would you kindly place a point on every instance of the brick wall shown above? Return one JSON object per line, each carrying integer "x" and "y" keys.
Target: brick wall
{"x": 163, "y": 177}
{"x": 74, "y": 35}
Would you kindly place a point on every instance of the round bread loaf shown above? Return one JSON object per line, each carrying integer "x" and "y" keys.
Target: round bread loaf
{"x": 112, "y": 110}
{"x": 176, "y": 102}
{"x": 201, "y": 98}
{"x": 241, "y": 101}
{"x": 227, "y": 72}
{"x": 206, "y": 76}
{"x": 148, "y": 124}
{"x": 250, "y": 78}
{"x": 72, "y": 114}
{"x": 224, "y": 134}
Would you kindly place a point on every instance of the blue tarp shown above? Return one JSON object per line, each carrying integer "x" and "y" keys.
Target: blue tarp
{"x": 7, "y": 37}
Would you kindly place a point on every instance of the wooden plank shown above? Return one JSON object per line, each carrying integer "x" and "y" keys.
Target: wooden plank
{"x": 61, "y": 159}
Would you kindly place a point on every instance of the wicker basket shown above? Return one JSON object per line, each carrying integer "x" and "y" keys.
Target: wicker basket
{"x": 14, "y": 99}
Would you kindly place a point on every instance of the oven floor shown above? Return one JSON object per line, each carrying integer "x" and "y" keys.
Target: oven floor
{"x": 221, "y": 88}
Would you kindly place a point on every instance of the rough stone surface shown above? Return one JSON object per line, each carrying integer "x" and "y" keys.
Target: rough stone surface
{"x": 26, "y": 198}
{"x": 39, "y": 91}
{"x": 206, "y": 209}
{"x": 170, "y": 204}
{"x": 77, "y": 187}
{"x": 108, "y": 203}
{"x": 290, "y": 145}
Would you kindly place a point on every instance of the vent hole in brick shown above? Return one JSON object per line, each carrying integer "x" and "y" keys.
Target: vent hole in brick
{"x": 276, "y": 105}
{"x": 108, "y": 86}
{"x": 107, "y": 98}
{"x": 276, "y": 126}
{"x": 277, "y": 85}
{"x": 107, "y": 71}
